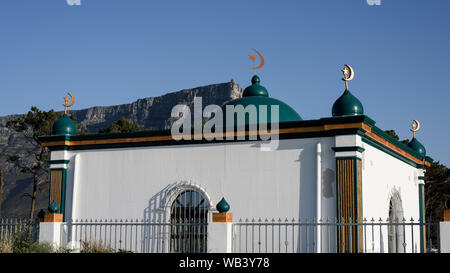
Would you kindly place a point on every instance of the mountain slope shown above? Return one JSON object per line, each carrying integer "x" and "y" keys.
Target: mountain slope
{"x": 152, "y": 112}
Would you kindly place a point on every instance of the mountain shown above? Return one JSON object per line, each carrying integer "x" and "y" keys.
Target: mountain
{"x": 152, "y": 112}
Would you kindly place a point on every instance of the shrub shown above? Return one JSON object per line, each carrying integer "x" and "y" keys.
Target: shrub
{"x": 6, "y": 245}
{"x": 95, "y": 247}
{"x": 39, "y": 248}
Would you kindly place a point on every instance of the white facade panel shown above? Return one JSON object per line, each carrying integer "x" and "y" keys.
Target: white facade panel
{"x": 134, "y": 182}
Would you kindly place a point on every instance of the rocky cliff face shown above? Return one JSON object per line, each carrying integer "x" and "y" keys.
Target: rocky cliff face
{"x": 151, "y": 112}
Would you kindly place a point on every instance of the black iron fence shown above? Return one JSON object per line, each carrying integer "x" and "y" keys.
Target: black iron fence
{"x": 333, "y": 236}
{"x": 14, "y": 229}
{"x": 137, "y": 235}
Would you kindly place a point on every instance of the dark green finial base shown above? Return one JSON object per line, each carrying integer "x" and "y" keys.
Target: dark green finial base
{"x": 223, "y": 206}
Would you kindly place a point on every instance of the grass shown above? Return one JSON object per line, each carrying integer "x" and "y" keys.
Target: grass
{"x": 95, "y": 247}
{"x": 6, "y": 246}
{"x": 21, "y": 242}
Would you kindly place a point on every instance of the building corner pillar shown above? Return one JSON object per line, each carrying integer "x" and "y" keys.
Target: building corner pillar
{"x": 220, "y": 230}
{"x": 349, "y": 205}
{"x": 220, "y": 233}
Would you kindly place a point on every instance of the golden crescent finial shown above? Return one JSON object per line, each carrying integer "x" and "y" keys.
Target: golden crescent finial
{"x": 415, "y": 127}
{"x": 68, "y": 102}
{"x": 253, "y": 59}
{"x": 349, "y": 74}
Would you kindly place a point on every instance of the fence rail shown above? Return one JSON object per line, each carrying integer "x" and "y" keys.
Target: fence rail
{"x": 137, "y": 235}
{"x": 248, "y": 236}
{"x": 10, "y": 229}
{"x": 333, "y": 236}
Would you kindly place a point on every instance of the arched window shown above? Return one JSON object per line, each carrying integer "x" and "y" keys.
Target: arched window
{"x": 189, "y": 220}
{"x": 396, "y": 235}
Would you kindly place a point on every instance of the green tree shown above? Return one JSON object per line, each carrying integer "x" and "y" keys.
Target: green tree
{"x": 121, "y": 125}
{"x": 35, "y": 123}
{"x": 393, "y": 134}
{"x": 437, "y": 190}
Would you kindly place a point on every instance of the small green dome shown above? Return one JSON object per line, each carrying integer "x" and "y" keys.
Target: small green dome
{"x": 223, "y": 206}
{"x": 347, "y": 105}
{"x": 257, "y": 95}
{"x": 255, "y": 89}
{"x": 417, "y": 146}
{"x": 53, "y": 207}
{"x": 64, "y": 126}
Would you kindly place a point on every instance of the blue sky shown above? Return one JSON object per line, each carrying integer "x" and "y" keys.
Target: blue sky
{"x": 108, "y": 52}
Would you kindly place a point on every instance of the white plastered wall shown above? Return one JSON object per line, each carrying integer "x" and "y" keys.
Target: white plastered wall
{"x": 382, "y": 176}
{"x": 133, "y": 182}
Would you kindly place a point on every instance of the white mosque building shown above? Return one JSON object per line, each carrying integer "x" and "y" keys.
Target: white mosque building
{"x": 337, "y": 167}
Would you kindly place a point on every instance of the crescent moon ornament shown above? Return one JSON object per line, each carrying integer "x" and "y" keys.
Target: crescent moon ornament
{"x": 415, "y": 127}
{"x": 68, "y": 102}
{"x": 261, "y": 58}
{"x": 349, "y": 74}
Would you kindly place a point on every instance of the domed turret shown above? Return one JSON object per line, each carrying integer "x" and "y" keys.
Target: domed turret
{"x": 257, "y": 95}
{"x": 414, "y": 143}
{"x": 417, "y": 146}
{"x": 347, "y": 104}
{"x": 64, "y": 126}
{"x": 255, "y": 89}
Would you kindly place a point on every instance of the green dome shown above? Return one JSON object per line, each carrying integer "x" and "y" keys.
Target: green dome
{"x": 347, "y": 105}
{"x": 257, "y": 95}
{"x": 223, "y": 206}
{"x": 255, "y": 89}
{"x": 64, "y": 126}
{"x": 53, "y": 207}
{"x": 417, "y": 146}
